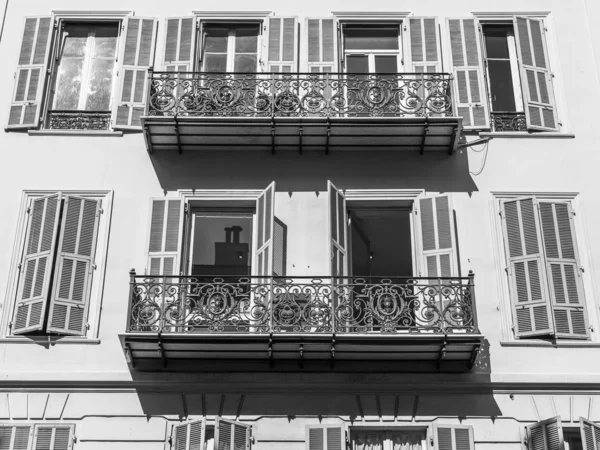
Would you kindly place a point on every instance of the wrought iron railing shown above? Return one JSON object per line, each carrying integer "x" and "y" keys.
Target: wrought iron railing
{"x": 340, "y": 305}
{"x": 509, "y": 121}
{"x": 78, "y": 120}
{"x": 299, "y": 94}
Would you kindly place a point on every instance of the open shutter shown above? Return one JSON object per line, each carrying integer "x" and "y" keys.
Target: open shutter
{"x": 545, "y": 435}
{"x": 536, "y": 79}
{"x": 453, "y": 437}
{"x": 189, "y": 436}
{"x": 136, "y": 58}
{"x": 529, "y": 293}
{"x": 74, "y": 266}
{"x": 230, "y": 435}
{"x": 437, "y": 247}
{"x": 53, "y": 437}
{"x": 283, "y": 44}
{"x": 15, "y": 437}
{"x": 36, "y": 268}
{"x": 165, "y": 238}
{"x": 563, "y": 270}
{"x": 338, "y": 240}
{"x": 320, "y": 44}
{"x": 325, "y": 437}
{"x": 31, "y": 74}
{"x": 425, "y": 54}
{"x": 470, "y": 100}
{"x": 265, "y": 207}
{"x": 180, "y": 42}
{"x": 590, "y": 434}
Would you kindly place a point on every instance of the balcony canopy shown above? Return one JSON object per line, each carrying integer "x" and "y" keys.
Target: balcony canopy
{"x": 300, "y": 112}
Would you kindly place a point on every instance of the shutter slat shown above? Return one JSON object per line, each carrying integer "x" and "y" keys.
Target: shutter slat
{"x": 325, "y": 437}
{"x": 180, "y": 43}
{"x": 53, "y": 437}
{"x": 230, "y": 435}
{"x": 189, "y": 436}
{"x": 320, "y": 44}
{"x": 590, "y": 434}
{"x": 546, "y": 435}
{"x": 283, "y": 44}
{"x": 424, "y": 45}
{"x": 453, "y": 437}
{"x": 15, "y": 437}
{"x": 165, "y": 236}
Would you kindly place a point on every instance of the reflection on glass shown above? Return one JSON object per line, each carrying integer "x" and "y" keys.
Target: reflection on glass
{"x": 244, "y": 63}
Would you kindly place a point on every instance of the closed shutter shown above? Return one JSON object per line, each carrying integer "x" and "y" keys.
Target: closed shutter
{"x": 590, "y": 434}
{"x": 536, "y": 79}
{"x": 453, "y": 437}
{"x": 424, "y": 45}
{"x": 180, "y": 42}
{"x": 523, "y": 243}
{"x": 15, "y": 437}
{"x": 139, "y": 39}
{"x": 320, "y": 44}
{"x": 189, "y": 436}
{"x": 165, "y": 238}
{"x": 31, "y": 74}
{"x": 36, "y": 268}
{"x": 563, "y": 270}
{"x": 338, "y": 239}
{"x": 283, "y": 44}
{"x": 545, "y": 435}
{"x": 325, "y": 437}
{"x": 53, "y": 437}
{"x": 230, "y": 435}
{"x": 265, "y": 206}
{"x": 470, "y": 100}
{"x": 74, "y": 267}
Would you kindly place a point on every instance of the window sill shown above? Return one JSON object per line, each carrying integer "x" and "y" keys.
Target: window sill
{"x": 75, "y": 133}
{"x": 560, "y": 344}
{"x": 52, "y": 340}
{"x": 526, "y": 135}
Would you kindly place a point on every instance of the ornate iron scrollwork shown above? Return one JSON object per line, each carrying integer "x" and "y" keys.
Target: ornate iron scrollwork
{"x": 78, "y": 120}
{"x": 509, "y": 121}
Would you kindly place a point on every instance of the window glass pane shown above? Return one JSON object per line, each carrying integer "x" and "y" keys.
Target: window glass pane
{"x": 105, "y": 44}
{"x": 501, "y": 85}
{"x": 371, "y": 38}
{"x": 100, "y": 87}
{"x": 75, "y": 40}
{"x": 496, "y": 44}
{"x": 215, "y": 39}
{"x": 244, "y": 63}
{"x": 386, "y": 64}
{"x": 246, "y": 39}
{"x": 215, "y": 62}
{"x": 68, "y": 84}
{"x": 357, "y": 64}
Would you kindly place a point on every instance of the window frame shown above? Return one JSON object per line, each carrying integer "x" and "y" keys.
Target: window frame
{"x": 97, "y": 287}
{"x": 230, "y": 52}
{"x": 371, "y": 54}
{"x": 353, "y": 429}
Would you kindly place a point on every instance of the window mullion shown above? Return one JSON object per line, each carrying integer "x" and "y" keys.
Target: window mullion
{"x": 231, "y": 50}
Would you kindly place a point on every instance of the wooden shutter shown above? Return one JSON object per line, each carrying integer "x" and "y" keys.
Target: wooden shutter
{"x": 320, "y": 44}
{"x": 536, "y": 79}
{"x": 470, "y": 100}
{"x": 265, "y": 207}
{"x": 36, "y": 267}
{"x": 189, "y": 436}
{"x": 15, "y": 437}
{"x": 139, "y": 39}
{"x": 338, "y": 231}
{"x": 31, "y": 74}
{"x": 180, "y": 43}
{"x": 563, "y": 270}
{"x": 590, "y": 434}
{"x": 453, "y": 437}
{"x": 283, "y": 44}
{"x": 74, "y": 267}
{"x": 53, "y": 437}
{"x": 545, "y": 435}
{"x": 424, "y": 39}
{"x": 230, "y": 435}
{"x": 325, "y": 437}
{"x": 165, "y": 238}
{"x": 524, "y": 252}
{"x": 436, "y": 249}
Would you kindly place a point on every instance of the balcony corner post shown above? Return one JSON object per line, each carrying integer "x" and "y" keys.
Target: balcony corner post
{"x": 130, "y": 300}
{"x": 149, "y": 90}
{"x": 472, "y": 299}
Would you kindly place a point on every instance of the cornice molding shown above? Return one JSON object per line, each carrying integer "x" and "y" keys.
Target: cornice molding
{"x": 65, "y": 13}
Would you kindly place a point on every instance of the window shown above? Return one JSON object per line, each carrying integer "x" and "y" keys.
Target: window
{"x": 550, "y": 433}
{"x": 225, "y": 434}
{"x": 388, "y": 439}
{"x": 372, "y": 49}
{"x": 230, "y": 48}
{"x": 36, "y": 436}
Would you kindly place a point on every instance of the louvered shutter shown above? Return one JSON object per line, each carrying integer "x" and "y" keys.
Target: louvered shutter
{"x": 15, "y": 437}
{"x": 563, "y": 270}
{"x": 31, "y": 74}
{"x": 53, "y": 437}
{"x": 424, "y": 45}
{"x": 470, "y": 101}
{"x": 36, "y": 267}
{"x": 453, "y": 437}
{"x": 165, "y": 238}
{"x": 180, "y": 42}
{"x": 74, "y": 267}
{"x": 230, "y": 435}
{"x": 320, "y": 44}
{"x": 283, "y": 44}
{"x": 590, "y": 434}
{"x": 536, "y": 79}
{"x": 523, "y": 244}
{"x": 545, "y": 435}
{"x": 189, "y": 436}
{"x": 139, "y": 39}
{"x": 437, "y": 247}
{"x": 338, "y": 232}
{"x": 265, "y": 206}
{"x": 325, "y": 437}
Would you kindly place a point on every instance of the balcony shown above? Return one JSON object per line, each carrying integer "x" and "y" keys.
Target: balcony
{"x": 300, "y": 112}
{"x": 394, "y": 323}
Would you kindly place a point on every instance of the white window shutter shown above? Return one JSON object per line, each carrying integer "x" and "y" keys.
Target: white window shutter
{"x": 15, "y": 437}
{"x": 453, "y": 437}
{"x": 545, "y": 435}
{"x": 230, "y": 435}
{"x": 74, "y": 267}
{"x": 31, "y": 73}
{"x": 36, "y": 267}
{"x": 138, "y": 41}
{"x": 590, "y": 434}
{"x": 53, "y": 437}
{"x": 563, "y": 270}
{"x": 179, "y": 44}
{"x": 282, "y": 44}
{"x": 265, "y": 216}
{"x": 320, "y": 44}
{"x": 524, "y": 252}
{"x": 424, "y": 40}
{"x": 338, "y": 231}
{"x": 325, "y": 437}
{"x": 536, "y": 79}
{"x": 189, "y": 436}
{"x": 165, "y": 237}
{"x": 470, "y": 100}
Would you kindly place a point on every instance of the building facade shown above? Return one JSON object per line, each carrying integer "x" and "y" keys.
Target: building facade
{"x": 309, "y": 226}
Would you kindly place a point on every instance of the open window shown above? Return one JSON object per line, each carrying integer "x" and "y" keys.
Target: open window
{"x": 223, "y": 435}
{"x": 396, "y": 438}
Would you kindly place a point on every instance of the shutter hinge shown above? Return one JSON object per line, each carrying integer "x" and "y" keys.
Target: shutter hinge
{"x": 87, "y": 325}
{"x": 338, "y": 26}
{"x": 552, "y": 75}
{"x": 28, "y": 210}
{"x": 197, "y": 25}
{"x": 95, "y": 266}
{"x": 591, "y": 328}
{"x": 506, "y": 269}
{"x": 560, "y": 124}
{"x": 10, "y": 325}
{"x": 500, "y": 213}
{"x": 405, "y": 28}
{"x": 582, "y": 269}
{"x": 20, "y": 266}
{"x": 545, "y": 29}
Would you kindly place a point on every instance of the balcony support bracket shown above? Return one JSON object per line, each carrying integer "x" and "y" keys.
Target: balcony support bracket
{"x": 474, "y": 354}
{"x": 129, "y": 355}
{"x": 327, "y": 136}
{"x": 176, "y": 127}
{"x": 272, "y": 135}
{"x": 300, "y": 131}
{"x": 452, "y": 142}
{"x": 148, "y": 139}
{"x": 161, "y": 351}
{"x": 442, "y": 354}
{"x": 333, "y": 350}
{"x": 425, "y": 131}
{"x": 301, "y": 351}
{"x": 270, "y": 350}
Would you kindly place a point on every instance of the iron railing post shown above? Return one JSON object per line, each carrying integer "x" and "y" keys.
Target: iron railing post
{"x": 149, "y": 90}
{"x": 130, "y": 305}
{"x": 162, "y": 304}
{"x": 473, "y": 302}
